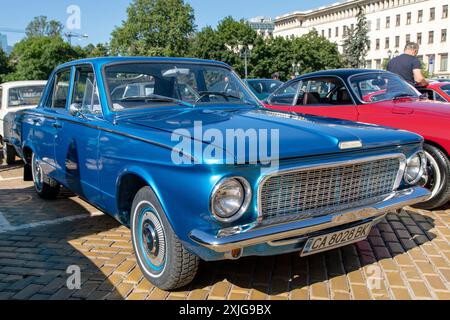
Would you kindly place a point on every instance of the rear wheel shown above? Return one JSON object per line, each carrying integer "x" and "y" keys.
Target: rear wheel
{"x": 45, "y": 187}
{"x": 163, "y": 259}
{"x": 438, "y": 179}
{"x": 10, "y": 154}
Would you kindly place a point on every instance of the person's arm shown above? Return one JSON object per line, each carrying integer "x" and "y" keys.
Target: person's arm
{"x": 418, "y": 76}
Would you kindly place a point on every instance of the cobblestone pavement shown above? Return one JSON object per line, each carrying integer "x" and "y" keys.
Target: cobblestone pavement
{"x": 406, "y": 257}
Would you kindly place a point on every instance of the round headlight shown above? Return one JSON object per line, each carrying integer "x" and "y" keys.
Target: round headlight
{"x": 230, "y": 199}
{"x": 415, "y": 168}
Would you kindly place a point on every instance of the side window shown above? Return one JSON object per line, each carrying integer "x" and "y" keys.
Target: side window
{"x": 327, "y": 91}
{"x": 85, "y": 92}
{"x": 286, "y": 94}
{"x": 60, "y": 89}
{"x": 439, "y": 98}
{"x": 1, "y": 97}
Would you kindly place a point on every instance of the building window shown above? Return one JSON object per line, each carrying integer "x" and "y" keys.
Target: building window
{"x": 408, "y": 38}
{"x": 431, "y": 37}
{"x": 420, "y": 16}
{"x": 388, "y": 22}
{"x": 445, "y": 11}
{"x": 337, "y": 32}
{"x": 378, "y": 24}
{"x": 397, "y": 41}
{"x": 432, "y": 14}
{"x": 378, "y": 64}
{"x": 443, "y": 66}
{"x": 368, "y": 64}
{"x": 377, "y": 44}
{"x": 323, "y": 33}
{"x": 369, "y": 25}
{"x": 443, "y": 35}
{"x": 386, "y": 43}
{"x": 329, "y": 33}
{"x": 344, "y": 31}
{"x": 419, "y": 38}
{"x": 398, "y": 20}
{"x": 408, "y": 18}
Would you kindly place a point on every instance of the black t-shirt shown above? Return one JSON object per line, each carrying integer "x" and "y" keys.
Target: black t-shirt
{"x": 403, "y": 65}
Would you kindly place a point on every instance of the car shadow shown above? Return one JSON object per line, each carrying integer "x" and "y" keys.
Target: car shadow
{"x": 283, "y": 274}
{"x": 40, "y": 240}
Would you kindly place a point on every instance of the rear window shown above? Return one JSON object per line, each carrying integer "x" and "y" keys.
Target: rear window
{"x": 25, "y": 96}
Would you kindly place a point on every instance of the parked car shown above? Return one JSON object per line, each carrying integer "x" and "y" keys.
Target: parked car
{"x": 16, "y": 96}
{"x": 143, "y": 160}
{"x": 263, "y": 88}
{"x": 381, "y": 98}
{"x": 439, "y": 91}
{"x": 441, "y": 80}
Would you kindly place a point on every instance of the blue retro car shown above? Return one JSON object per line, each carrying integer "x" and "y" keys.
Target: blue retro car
{"x": 181, "y": 152}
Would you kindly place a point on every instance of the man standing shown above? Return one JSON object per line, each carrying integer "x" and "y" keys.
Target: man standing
{"x": 276, "y": 76}
{"x": 408, "y": 66}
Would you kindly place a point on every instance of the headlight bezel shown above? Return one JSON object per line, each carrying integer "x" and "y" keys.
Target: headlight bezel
{"x": 422, "y": 169}
{"x": 245, "y": 203}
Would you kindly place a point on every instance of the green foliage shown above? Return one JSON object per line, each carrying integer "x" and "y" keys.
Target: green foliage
{"x": 35, "y": 58}
{"x": 41, "y": 27}
{"x": 99, "y": 50}
{"x": 155, "y": 28}
{"x": 356, "y": 42}
{"x": 4, "y": 67}
{"x": 269, "y": 55}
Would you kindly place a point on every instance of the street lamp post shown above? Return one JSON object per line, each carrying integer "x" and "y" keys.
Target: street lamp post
{"x": 244, "y": 51}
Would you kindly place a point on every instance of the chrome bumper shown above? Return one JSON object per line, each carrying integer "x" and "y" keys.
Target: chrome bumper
{"x": 254, "y": 234}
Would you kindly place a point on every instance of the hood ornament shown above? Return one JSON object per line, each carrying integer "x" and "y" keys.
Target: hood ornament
{"x": 350, "y": 145}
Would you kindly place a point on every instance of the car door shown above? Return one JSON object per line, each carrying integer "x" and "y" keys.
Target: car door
{"x": 46, "y": 124}
{"x": 76, "y": 146}
{"x": 325, "y": 96}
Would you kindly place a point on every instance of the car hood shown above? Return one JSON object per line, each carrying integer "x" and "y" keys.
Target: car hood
{"x": 299, "y": 135}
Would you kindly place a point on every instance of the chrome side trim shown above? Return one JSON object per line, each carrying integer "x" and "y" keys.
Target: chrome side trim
{"x": 254, "y": 234}
{"x": 331, "y": 164}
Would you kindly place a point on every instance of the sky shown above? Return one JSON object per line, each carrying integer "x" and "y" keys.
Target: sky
{"x": 100, "y": 17}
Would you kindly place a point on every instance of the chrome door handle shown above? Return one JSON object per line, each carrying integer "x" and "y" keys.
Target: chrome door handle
{"x": 56, "y": 125}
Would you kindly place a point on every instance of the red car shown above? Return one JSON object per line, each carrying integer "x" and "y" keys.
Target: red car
{"x": 439, "y": 91}
{"x": 381, "y": 98}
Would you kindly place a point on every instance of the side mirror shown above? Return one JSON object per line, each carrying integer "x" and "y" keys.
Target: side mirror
{"x": 75, "y": 109}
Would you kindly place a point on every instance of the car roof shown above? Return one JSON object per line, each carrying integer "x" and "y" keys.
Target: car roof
{"x": 343, "y": 73}
{"x": 111, "y": 60}
{"x": 262, "y": 79}
{"x": 14, "y": 84}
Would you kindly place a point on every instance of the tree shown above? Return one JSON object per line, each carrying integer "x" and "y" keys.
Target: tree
{"x": 155, "y": 27}
{"x": 356, "y": 42}
{"x": 41, "y": 27}
{"x": 99, "y": 50}
{"x": 34, "y": 58}
{"x": 4, "y": 67}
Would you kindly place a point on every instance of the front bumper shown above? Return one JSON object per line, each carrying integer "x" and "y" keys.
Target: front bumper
{"x": 253, "y": 234}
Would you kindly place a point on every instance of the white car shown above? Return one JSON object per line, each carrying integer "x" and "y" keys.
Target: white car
{"x": 15, "y": 96}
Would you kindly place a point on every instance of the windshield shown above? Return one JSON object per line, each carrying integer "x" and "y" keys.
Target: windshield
{"x": 25, "y": 96}
{"x": 375, "y": 87}
{"x": 446, "y": 89}
{"x": 137, "y": 85}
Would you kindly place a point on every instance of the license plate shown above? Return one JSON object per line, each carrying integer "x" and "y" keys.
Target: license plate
{"x": 336, "y": 239}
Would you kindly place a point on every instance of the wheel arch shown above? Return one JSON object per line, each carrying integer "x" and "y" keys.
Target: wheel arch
{"x": 129, "y": 182}
{"x": 437, "y": 145}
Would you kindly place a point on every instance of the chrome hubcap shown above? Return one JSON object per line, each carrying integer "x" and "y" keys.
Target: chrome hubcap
{"x": 153, "y": 240}
{"x": 433, "y": 178}
{"x": 38, "y": 176}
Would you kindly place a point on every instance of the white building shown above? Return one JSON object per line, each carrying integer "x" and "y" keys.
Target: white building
{"x": 265, "y": 26}
{"x": 392, "y": 23}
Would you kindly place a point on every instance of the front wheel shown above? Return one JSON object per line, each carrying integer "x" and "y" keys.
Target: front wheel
{"x": 45, "y": 187}
{"x": 161, "y": 256}
{"x": 437, "y": 180}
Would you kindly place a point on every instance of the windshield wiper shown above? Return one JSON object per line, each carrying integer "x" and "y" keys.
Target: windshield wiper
{"x": 156, "y": 97}
{"x": 203, "y": 94}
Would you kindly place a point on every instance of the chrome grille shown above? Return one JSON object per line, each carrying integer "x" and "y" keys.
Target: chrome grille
{"x": 313, "y": 192}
